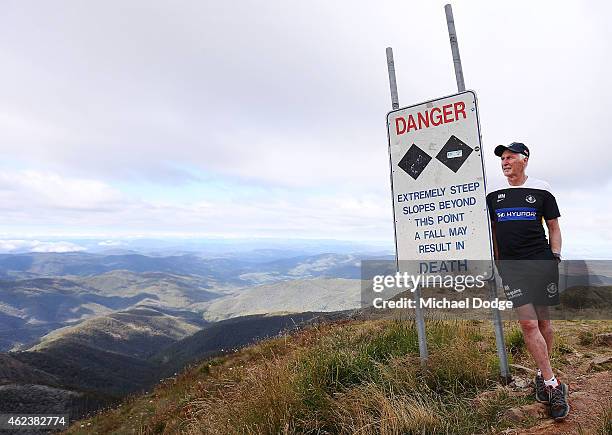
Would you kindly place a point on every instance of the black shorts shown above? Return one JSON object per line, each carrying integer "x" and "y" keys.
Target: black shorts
{"x": 533, "y": 280}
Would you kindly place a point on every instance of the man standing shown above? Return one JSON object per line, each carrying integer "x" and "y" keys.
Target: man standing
{"x": 528, "y": 263}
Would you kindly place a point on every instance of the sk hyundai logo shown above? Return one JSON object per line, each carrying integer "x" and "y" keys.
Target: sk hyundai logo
{"x": 530, "y": 199}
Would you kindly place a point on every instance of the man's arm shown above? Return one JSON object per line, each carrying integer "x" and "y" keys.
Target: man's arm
{"x": 554, "y": 235}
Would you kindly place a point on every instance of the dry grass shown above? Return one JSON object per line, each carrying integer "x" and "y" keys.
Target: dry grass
{"x": 605, "y": 426}
{"x": 359, "y": 377}
{"x": 369, "y": 409}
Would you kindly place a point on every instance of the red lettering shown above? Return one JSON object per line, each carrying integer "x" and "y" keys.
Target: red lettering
{"x": 411, "y": 123}
{"x": 397, "y": 125}
{"x": 446, "y": 110}
{"x": 438, "y": 118}
{"x": 423, "y": 120}
{"x": 434, "y": 117}
{"x": 459, "y": 108}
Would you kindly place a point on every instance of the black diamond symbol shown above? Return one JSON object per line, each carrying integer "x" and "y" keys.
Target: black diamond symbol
{"x": 454, "y": 153}
{"x": 414, "y": 161}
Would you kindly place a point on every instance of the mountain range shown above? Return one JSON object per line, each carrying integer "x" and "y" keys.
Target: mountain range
{"x": 82, "y": 330}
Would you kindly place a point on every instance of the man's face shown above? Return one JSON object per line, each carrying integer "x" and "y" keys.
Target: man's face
{"x": 512, "y": 164}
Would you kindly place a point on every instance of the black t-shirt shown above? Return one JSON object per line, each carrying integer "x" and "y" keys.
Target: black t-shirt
{"x": 518, "y": 213}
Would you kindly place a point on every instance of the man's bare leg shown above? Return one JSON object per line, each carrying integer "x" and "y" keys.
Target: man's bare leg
{"x": 545, "y": 326}
{"x": 534, "y": 340}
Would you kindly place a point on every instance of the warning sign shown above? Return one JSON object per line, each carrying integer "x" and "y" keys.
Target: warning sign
{"x": 438, "y": 186}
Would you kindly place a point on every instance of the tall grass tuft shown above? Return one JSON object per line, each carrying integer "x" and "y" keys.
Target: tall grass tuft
{"x": 361, "y": 378}
{"x": 605, "y": 425}
{"x": 515, "y": 342}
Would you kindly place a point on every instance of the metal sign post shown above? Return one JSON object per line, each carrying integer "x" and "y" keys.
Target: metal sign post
{"x": 392, "y": 80}
{"x": 419, "y": 317}
{"x": 499, "y": 330}
{"x": 435, "y": 152}
{"x": 452, "y": 33}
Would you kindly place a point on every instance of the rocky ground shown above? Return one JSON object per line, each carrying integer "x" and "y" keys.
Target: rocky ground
{"x": 588, "y": 372}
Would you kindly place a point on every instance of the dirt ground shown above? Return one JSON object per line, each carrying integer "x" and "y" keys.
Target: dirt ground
{"x": 588, "y": 395}
{"x": 588, "y": 372}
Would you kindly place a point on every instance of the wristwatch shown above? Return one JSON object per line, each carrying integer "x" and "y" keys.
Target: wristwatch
{"x": 557, "y": 256}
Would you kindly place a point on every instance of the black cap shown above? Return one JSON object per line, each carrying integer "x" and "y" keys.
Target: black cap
{"x": 515, "y": 147}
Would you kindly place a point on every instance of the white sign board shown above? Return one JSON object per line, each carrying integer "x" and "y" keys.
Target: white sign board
{"x": 438, "y": 187}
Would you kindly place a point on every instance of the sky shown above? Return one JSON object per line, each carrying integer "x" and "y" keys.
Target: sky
{"x": 267, "y": 119}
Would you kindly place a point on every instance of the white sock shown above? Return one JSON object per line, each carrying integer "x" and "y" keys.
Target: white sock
{"x": 551, "y": 382}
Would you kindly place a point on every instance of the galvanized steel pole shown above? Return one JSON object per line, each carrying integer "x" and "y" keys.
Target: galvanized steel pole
{"x": 420, "y": 323}
{"x": 419, "y": 317}
{"x": 450, "y": 22}
{"x": 504, "y": 370}
{"x": 392, "y": 81}
{"x": 497, "y": 323}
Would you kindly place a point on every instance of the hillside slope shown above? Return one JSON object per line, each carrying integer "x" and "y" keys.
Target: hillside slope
{"x": 101, "y": 360}
{"x": 227, "y": 336}
{"x": 364, "y": 376}
{"x": 138, "y": 332}
{"x": 296, "y": 296}
{"x": 14, "y": 371}
{"x": 31, "y": 308}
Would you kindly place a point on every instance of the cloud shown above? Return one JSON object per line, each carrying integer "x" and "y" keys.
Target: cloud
{"x": 20, "y": 246}
{"x": 108, "y": 118}
{"x": 258, "y": 92}
{"x": 52, "y": 204}
{"x": 110, "y": 243}
{"x": 46, "y": 203}
{"x": 33, "y": 190}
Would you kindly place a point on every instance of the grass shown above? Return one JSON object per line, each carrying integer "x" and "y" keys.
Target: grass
{"x": 592, "y": 337}
{"x": 359, "y": 378}
{"x": 349, "y": 377}
{"x": 586, "y": 338}
{"x": 515, "y": 342}
{"x": 604, "y": 422}
{"x": 605, "y": 426}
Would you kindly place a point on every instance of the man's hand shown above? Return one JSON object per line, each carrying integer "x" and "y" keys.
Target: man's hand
{"x": 554, "y": 237}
